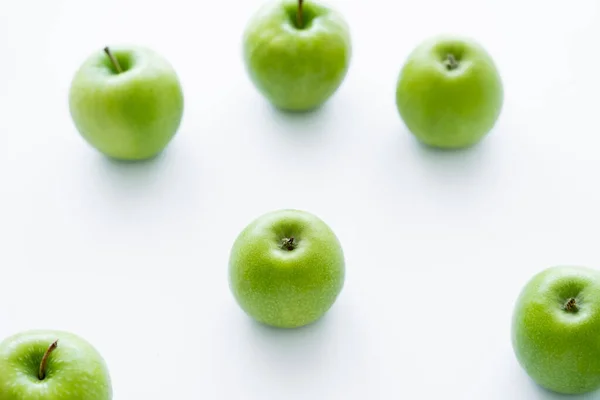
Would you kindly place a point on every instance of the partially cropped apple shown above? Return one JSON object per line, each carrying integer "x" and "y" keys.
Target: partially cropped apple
{"x": 449, "y": 92}
{"x": 286, "y": 268}
{"x": 52, "y": 365}
{"x": 297, "y": 53}
{"x": 556, "y": 329}
{"x": 127, "y": 102}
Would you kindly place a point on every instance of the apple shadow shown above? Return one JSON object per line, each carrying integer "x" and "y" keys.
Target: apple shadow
{"x": 126, "y": 177}
{"x": 302, "y": 124}
{"x": 545, "y": 394}
{"x": 292, "y": 355}
{"x": 448, "y": 164}
{"x": 291, "y": 340}
{"x": 444, "y": 159}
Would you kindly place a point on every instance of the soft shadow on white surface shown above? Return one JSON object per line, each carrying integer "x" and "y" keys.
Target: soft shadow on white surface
{"x": 469, "y": 161}
{"x": 543, "y": 394}
{"x": 294, "y": 359}
{"x": 299, "y": 348}
{"x": 132, "y": 175}
{"x": 301, "y": 125}
{"x": 289, "y": 361}
{"x": 511, "y": 376}
{"x": 129, "y": 191}
{"x": 402, "y": 150}
{"x": 448, "y": 173}
{"x": 306, "y": 362}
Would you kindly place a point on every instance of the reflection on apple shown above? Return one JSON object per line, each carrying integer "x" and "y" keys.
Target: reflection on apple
{"x": 449, "y": 92}
{"x": 286, "y": 268}
{"x": 52, "y": 365}
{"x": 297, "y": 53}
{"x": 556, "y": 329}
{"x": 127, "y": 102}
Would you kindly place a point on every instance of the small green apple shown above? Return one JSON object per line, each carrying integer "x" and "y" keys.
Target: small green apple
{"x": 297, "y": 53}
{"x": 52, "y": 365}
{"x": 286, "y": 268}
{"x": 127, "y": 103}
{"x": 556, "y": 329}
{"x": 449, "y": 92}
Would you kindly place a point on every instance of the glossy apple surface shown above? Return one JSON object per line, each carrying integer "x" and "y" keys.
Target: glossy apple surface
{"x": 449, "y": 92}
{"x": 556, "y": 329}
{"x": 286, "y": 268}
{"x": 131, "y": 114}
{"x": 74, "y": 369}
{"x": 297, "y": 67}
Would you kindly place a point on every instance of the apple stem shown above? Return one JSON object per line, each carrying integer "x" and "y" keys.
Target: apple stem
{"x": 451, "y": 62}
{"x": 288, "y": 244}
{"x": 571, "y": 305}
{"x": 113, "y": 60}
{"x": 299, "y": 16}
{"x": 42, "y": 371}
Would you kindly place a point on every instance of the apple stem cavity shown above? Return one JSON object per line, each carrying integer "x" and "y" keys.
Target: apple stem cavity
{"x": 571, "y": 305}
{"x": 113, "y": 60}
{"x": 44, "y": 362}
{"x": 451, "y": 62}
{"x": 288, "y": 244}
{"x": 299, "y": 16}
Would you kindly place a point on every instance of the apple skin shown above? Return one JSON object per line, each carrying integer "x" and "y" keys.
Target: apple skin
{"x": 560, "y": 349}
{"x": 297, "y": 69}
{"x": 286, "y": 288}
{"x": 449, "y": 109}
{"x": 75, "y": 370}
{"x": 127, "y": 116}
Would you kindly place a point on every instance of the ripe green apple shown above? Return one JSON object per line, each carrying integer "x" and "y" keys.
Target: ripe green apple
{"x": 52, "y": 365}
{"x": 127, "y": 103}
{"x": 286, "y": 268}
{"x": 449, "y": 92}
{"x": 556, "y": 329}
{"x": 297, "y": 53}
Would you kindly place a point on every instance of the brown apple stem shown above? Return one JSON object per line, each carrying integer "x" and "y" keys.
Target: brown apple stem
{"x": 299, "y": 16}
{"x": 571, "y": 305}
{"x": 42, "y": 370}
{"x": 288, "y": 244}
{"x": 451, "y": 62}
{"x": 113, "y": 60}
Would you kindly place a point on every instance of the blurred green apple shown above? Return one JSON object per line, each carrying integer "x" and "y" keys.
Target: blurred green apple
{"x": 286, "y": 268}
{"x": 52, "y": 365}
{"x": 449, "y": 92}
{"x": 297, "y": 53}
{"x": 556, "y": 329}
{"x": 127, "y": 103}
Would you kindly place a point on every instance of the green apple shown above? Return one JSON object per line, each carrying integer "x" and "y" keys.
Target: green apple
{"x": 52, "y": 365}
{"x": 297, "y": 53}
{"x": 286, "y": 268}
{"x": 126, "y": 103}
{"x": 556, "y": 329}
{"x": 449, "y": 92}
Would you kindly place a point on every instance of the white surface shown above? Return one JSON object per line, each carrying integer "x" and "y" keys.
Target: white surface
{"x": 438, "y": 245}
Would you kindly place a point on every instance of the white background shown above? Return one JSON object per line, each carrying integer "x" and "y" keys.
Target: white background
{"x": 438, "y": 244}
